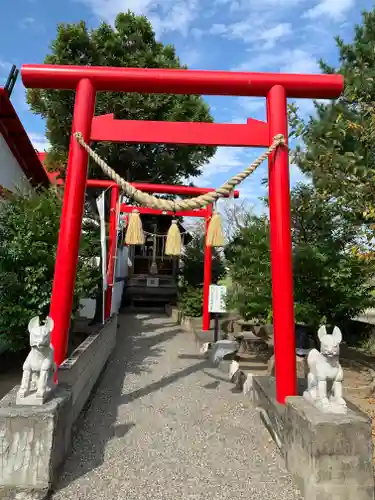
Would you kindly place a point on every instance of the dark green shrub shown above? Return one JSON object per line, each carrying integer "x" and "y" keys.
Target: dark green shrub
{"x": 193, "y": 263}
{"x": 29, "y": 228}
{"x": 248, "y": 258}
{"x": 191, "y": 301}
{"x": 331, "y": 283}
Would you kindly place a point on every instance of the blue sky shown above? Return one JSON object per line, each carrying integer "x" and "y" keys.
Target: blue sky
{"x": 245, "y": 35}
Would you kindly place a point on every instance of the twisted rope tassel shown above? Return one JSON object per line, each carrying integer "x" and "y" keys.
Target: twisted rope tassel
{"x": 151, "y": 201}
{"x": 215, "y": 236}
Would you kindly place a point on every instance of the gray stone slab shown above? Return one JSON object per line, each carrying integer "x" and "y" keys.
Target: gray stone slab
{"x": 34, "y": 442}
{"x": 329, "y": 456}
{"x": 272, "y": 413}
{"x": 222, "y": 350}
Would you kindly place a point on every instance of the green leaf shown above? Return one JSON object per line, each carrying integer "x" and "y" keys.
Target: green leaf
{"x": 29, "y": 229}
{"x": 130, "y": 43}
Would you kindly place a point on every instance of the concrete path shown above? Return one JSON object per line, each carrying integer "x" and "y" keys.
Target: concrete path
{"x": 163, "y": 425}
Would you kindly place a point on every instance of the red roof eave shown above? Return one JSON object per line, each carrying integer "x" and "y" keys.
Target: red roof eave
{"x": 19, "y": 143}
{"x": 52, "y": 176}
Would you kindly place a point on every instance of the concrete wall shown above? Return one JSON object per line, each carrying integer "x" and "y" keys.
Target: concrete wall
{"x": 81, "y": 370}
{"x": 12, "y": 176}
{"x": 329, "y": 455}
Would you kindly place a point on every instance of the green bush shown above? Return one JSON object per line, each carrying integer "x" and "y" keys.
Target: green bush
{"x": 29, "y": 227}
{"x": 193, "y": 263}
{"x": 192, "y": 273}
{"x": 331, "y": 283}
{"x": 248, "y": 259}
{"x": 191, "y": 301}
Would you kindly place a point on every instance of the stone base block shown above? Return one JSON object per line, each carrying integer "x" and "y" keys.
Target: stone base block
{"x": 32, "y": 399}
{"x": 34, "y": 441}
{"x": 271, "y": 412}
{"x": 174, "y": 313}
{"x": 301, "y": 366}
{"x": 329, "y": 456}
{"x": 223, "y": 350}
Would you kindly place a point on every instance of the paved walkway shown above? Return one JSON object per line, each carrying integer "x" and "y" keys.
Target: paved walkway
{"x": 163, "y": 425}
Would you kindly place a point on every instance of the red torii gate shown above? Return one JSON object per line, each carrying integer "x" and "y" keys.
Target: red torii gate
{"x": 87, "y": 80}
{"x": 159, "y": 189}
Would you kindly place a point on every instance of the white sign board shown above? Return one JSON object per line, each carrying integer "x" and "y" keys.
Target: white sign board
{"x": 216, "y": 301}
{"x": 152, "y": 282}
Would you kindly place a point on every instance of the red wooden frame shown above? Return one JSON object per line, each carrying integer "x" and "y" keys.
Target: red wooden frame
{"x": 159, "y": 189}
{"x": 106, "y": 128}
{"x": 207, "y": 271}
{"x": 153, "y": 211}
{"x": 276, "y": 87}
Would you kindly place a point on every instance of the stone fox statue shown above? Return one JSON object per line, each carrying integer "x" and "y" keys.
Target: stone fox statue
{"x": 324, "y": 367}
{"x": 39, "y": 367}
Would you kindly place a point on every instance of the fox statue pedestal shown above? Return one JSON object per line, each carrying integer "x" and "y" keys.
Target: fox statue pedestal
{"x": 326, "y": 442}
{"x": 328, "y": 446}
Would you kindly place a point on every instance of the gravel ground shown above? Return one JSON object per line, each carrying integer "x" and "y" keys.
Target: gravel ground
{"x": 163, "y": 425}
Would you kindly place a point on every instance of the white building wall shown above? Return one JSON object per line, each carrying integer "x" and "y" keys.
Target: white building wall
{"x": 12, "y": 176}
{"x": 121, "y": 272}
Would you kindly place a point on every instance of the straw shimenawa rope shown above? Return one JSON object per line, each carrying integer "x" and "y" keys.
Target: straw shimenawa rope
{"x": 148, "y": 200}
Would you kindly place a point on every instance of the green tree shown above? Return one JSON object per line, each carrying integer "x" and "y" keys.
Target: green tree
{"x": 338, "y": 143}
{"x": 248, "y": 257}
{"x": 131, "y": 43}
{"x": 331, "y": 283}
{"x": 192, "y": 263}
{"x": 29, "y": 227}
{"x": 192, "y": 273}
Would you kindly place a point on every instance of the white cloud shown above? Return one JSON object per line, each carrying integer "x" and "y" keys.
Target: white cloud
{"x": 165, "y": 15}
{"x": 306, "y": 107}
{"x": 218, "y": 29}
{"x": 251, "y": 104}
{"x": 230, "y": 161}
{"x": 225, "y": 159}
{"x": 179, "y": 18}
{"x": 273, "y": 35}
{"x": 249, "y": 30}
{"x": 39, "y": 141}
{"x": 31, "y": 23}
{"x": 246, "y": 5}
{"x": 286, "y": 61}
{"x": 248, "y": 107}
{"x": 333, "y": 9}
{"x": 27, "y": 22}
